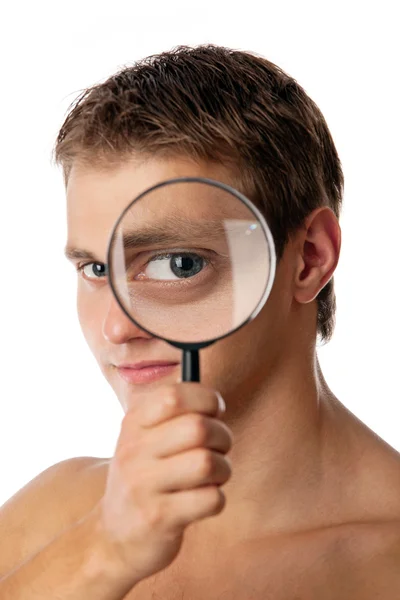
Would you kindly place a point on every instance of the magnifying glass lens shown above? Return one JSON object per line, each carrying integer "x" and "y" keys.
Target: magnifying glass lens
{"x": 190, "y": 261}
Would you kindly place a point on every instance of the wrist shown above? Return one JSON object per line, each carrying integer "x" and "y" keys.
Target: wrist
{"x": 102, "y": 561}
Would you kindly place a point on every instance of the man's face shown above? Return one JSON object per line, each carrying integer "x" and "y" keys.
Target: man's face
{"x": 233, "y": 365}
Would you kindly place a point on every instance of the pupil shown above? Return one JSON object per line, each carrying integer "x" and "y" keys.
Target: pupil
{"x": 99, "y": 269}
{"x": 186, "y": 266}
{"x": 185, "y": 263}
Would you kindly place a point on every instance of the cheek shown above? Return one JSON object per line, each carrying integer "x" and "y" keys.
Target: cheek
{"x": 90, "y": 317}
{"x": 234, "y": 362}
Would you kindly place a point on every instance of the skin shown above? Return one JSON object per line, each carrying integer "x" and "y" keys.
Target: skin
{"x": 303, "y": 467}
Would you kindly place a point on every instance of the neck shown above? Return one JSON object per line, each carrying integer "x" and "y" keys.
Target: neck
{"x": 288, "y": 448}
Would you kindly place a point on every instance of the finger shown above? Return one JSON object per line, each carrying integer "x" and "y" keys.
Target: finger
{"x": 192, "y": 469}
{"x": 179, "y": 399}
{"x": 187, "y": 506}
{"x": 190, "y": 431}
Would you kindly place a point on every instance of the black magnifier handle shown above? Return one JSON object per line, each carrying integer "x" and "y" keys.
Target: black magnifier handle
{"x": 190, "y": 365}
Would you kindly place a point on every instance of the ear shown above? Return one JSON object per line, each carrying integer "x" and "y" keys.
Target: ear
{"x": 320, "y": 241}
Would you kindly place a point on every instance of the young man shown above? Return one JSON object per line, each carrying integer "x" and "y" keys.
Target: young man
{"x": 310, "y": 505}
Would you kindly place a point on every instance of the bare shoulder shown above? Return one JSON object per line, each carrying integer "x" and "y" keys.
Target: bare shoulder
{"x": 47, "y": 505}
{"x": 362, "y": 560}
{"x": 367, "y": 552}
{"x": 352, "y": 561}
{"x": 348, "y": 561}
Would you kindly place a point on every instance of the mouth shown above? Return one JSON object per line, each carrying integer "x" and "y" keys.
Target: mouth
{"x": 146, "y": 371}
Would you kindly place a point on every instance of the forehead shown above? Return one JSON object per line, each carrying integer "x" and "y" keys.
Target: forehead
{"x": 96, "y": 196}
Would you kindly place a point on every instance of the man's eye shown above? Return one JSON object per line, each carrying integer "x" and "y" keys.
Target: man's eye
{"x": 174, "y": 266}
{"x": 93, "y": 270}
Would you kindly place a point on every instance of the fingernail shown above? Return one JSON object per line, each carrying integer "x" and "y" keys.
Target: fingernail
{"x": 221, "y": 402}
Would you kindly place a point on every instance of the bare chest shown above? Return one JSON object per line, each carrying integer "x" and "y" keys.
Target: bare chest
{"x": 199, "y": 587}
{"x": 223, "y": 576}
{"x": 332, "y": 567}
{"x": 264, "y": 585}
{"x": 245, "y": 576}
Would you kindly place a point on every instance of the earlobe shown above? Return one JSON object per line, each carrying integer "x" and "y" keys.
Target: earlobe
{"x": 319, "y": 254}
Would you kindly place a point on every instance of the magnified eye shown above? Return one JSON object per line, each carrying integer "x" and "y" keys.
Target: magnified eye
{"x": 173, "y": 266}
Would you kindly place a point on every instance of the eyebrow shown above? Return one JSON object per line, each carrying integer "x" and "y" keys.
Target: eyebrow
{"x": 72, "y": 253}
{"x": 182, "y": 230}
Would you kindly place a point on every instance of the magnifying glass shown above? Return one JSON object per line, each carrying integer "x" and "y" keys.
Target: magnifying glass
{"x": 190, "y": 261}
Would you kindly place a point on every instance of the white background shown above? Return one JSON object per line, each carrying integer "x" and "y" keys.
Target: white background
{"x": 55, "y": 404}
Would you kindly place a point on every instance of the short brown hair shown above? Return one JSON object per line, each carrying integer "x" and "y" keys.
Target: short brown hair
{"x": 213, "y": 103}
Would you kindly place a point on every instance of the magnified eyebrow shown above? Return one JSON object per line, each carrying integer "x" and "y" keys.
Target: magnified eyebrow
{"x": 179, "y": 231}
{"x": 174, "y": 230}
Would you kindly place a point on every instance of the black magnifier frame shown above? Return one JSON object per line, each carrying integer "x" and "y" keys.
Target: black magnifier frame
{"x": 190, "y": 358}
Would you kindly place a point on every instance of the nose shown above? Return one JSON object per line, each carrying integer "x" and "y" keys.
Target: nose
{"x": 117, "y": 327}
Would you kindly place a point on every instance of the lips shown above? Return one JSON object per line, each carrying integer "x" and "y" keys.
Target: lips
{"x": 146, "y": 371}
{"x": 146, "y": 363}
